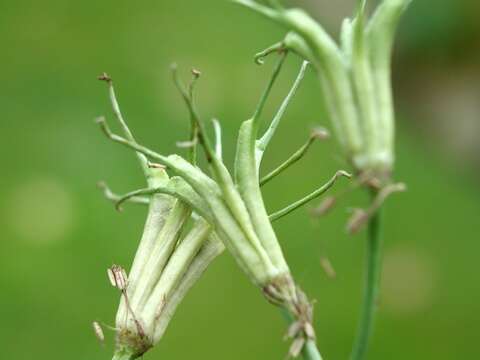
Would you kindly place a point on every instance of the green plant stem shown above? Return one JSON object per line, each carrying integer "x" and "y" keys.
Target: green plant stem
{"x": 310, "y": 351}
{"x": 371, "y": 286}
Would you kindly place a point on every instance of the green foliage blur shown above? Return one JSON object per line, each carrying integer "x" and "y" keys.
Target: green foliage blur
{"x": 59, "y": 235}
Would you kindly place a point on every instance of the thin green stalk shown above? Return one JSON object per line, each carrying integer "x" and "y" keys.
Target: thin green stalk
{"x": 268, "y": 89}
{"x": 297, "y": 204}
{"x": 289, "y": 162}
{"x": 371, "y": 287}
{"x": 110, "y": 195}
{"x": 264, "y": 141}
{"x": 123, "y": 124}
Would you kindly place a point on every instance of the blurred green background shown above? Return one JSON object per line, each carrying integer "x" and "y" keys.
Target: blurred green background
{"x": 59, "y": 235}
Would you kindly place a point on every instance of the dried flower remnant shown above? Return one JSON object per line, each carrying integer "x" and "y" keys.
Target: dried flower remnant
{"x": 361, "y": 216}
{"x": 118, "y": 277}
{"x": 325, "y": 207}
{"x": 328, "y": 267}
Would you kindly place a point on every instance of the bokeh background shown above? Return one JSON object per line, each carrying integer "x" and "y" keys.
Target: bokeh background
{"x": 59, "y": 234}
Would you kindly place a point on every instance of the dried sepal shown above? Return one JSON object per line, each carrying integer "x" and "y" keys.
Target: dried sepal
{"x": 360, "y": 217}
{"x": 324, "y": 207}
{"x": 97, "y": 328}
{"x": 293, "y": 330}
{"x": 296, "y": 347}
{"x": 327, "y": 267}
